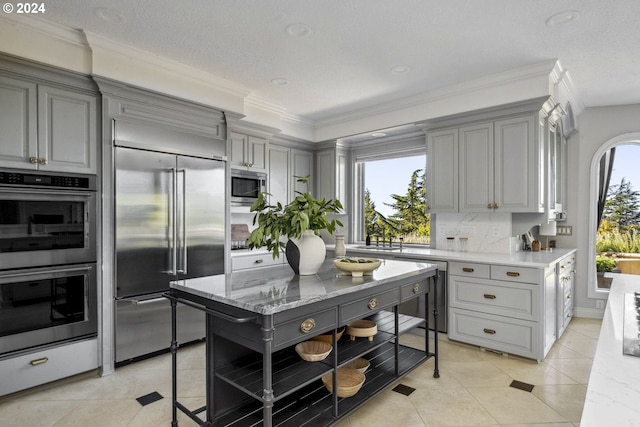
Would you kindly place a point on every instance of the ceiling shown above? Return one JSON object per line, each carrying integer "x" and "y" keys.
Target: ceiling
{"x": 319, "y": 59}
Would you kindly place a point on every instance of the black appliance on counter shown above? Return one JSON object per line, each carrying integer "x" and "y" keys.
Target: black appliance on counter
{"x": 169, "y": 225}
{"x": 48, "y": 279}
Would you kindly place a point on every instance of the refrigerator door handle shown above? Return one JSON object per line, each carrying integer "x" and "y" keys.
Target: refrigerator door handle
{"x": 173, "y": 207}
{"x": 183, "y": 224}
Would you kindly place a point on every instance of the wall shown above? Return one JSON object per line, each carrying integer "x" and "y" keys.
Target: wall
{"x": 486, "y": 232}
{"x": 596, "y": 126}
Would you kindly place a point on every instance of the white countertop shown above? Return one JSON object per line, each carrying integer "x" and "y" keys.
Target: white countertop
{"x": 613, "y": 393}
{"x": 271, "y": 290}
{"x": 540, "y": 259}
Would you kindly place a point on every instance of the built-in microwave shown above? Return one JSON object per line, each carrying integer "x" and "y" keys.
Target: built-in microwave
{"x": 246, "y": 185}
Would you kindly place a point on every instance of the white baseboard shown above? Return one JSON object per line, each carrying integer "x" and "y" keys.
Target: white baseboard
{"x": 591, "y": 313}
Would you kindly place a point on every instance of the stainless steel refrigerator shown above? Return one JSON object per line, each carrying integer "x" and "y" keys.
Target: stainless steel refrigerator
{"x": 169, "y": 212}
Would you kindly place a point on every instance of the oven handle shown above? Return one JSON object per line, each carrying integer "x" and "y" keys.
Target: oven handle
{"x": 57, "y": 193}
{"x": 40, "y": 272}
{"x": 136, "y": 301}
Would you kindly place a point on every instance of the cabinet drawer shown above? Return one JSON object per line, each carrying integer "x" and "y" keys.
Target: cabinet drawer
{"x": 304, "y": 327}
{"x": 413, "y": 290}
{"x": 43, "y": 366}
{"x": 253, "y": 261}
{"x": 366, "y": 306}
{"x": 469, "y": 269}
{"x": 502, "y": 298}
{"x": 499, "y": 333}
{"x": 515, "y": 274}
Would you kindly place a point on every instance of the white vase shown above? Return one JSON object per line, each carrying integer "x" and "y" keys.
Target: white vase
{"x": 306, "y": 254}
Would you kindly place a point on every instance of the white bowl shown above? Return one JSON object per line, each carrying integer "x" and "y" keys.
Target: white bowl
{"x": 356, "y": 266}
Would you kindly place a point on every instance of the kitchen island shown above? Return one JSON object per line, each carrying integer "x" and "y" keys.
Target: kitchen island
{"x": 613, "y": 393}
{"x": 254, "y": 318}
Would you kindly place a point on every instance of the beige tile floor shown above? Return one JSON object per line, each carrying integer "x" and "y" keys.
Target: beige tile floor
{"x": 473, "y": 390}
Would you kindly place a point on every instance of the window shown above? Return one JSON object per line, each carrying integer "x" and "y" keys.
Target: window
{"x": 391, "y": 190}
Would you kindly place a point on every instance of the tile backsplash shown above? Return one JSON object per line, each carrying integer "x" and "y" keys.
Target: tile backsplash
{"x": 489, "y": 232}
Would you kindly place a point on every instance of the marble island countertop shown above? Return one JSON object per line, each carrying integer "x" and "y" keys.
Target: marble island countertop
{"x": 541, "y": 259}
{"x": 613, "y": 393}
{"x": 270, "y": 290}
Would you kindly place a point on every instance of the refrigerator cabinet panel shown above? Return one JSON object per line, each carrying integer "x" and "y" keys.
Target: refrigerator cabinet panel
{"x": 144, "y": 327}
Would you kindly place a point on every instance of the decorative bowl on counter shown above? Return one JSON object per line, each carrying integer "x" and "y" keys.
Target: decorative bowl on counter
{"x": 349, "y": 381}
{"x": 362, "y": 328}
{"x": 357, "y": 267}
{"x": 328, "y": 336}
{"x": 361, "y": 364}
{"x": 313, "y": 351}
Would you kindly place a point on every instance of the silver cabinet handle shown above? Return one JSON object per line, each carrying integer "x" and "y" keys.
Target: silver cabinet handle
{"x": 42, "y": 161}
{"x": 33, "y": 160}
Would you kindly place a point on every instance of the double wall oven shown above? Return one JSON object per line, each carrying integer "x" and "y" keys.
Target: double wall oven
{"x": 48, "y": 275}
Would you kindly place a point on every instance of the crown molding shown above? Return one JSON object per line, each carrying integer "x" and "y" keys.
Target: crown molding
{"x": 541, "y": 69}
{"x": 46, "y": 28}
{"x": 97, "y": 42}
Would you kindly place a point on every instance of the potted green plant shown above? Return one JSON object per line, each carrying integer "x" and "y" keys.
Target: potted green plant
{"x": 604, "y": 265}
{"x": 300, "y": 221}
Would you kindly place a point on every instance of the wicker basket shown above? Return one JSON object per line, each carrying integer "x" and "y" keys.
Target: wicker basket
{"x": 328, "y": 336}
{"x": 360, "y": 364}
{"x": 362, "y": 328}
{"x": 349, "y": 381}
{"x": 313, "y": 351}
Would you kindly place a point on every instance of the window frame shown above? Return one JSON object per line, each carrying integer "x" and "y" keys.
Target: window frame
{"x": 381, "y": 150}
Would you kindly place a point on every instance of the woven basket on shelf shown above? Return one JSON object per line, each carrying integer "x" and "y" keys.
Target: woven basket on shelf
{"x": 349, "y": 381}
{"x": 313, "y": 351}
{"x": 328, "y": 336}
{"x": 360, "y": 364}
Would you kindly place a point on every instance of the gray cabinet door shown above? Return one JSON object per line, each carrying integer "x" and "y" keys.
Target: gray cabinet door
{"x": 476, "y": 168}
{"x": 67, "y": 131}
{"x": 18, "y": 123}
{"x": 279, "y": 175}
{"x": 442, "y": 171}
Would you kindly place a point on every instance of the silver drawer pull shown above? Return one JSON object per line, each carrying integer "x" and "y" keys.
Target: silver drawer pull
{"x": 40, "y": 361}
{"x": 416, "y": 288}
{"x": 513, "y": 274}
{"x": 308, "y": 325}
{"x": 259, "y": 261}
{"x": 468, "y": 270}
{"x": 489, "y": 296}
{"x": 373, "y": 303}
{"x": 489, "y": 331}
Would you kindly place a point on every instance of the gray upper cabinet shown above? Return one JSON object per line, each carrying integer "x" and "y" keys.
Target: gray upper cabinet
{"x": 47, "y": 128}
{"x": 18, "y": 123}
{"x": 285, "y": 164}
{"x": 331, "y": 167}
{"x": 442, "y": 166}
{"x": 498, "y": 163}
{"x": 248, "y": 151}
{"x": 488, "y": 166}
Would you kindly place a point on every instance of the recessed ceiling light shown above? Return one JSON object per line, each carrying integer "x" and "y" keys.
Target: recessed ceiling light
{"x": 378, "y": 134}
{"x": 562, "y": 18}
{"x": 110, "y": 15}
{"x": 400, "y": 69}
{"x": 298, "y": 30}
{"x": 279, "y": 81}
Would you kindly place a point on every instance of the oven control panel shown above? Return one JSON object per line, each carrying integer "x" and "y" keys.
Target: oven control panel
{"x": 71, "y": 181}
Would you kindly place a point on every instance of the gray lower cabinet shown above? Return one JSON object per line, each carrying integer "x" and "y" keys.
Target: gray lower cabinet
{"x": 505, "y": 308}
{"x": 255, "y": 377}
